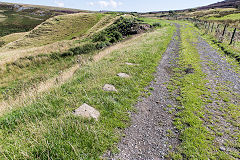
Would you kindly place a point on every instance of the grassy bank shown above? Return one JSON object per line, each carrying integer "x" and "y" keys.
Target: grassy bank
{"x": 47, "y": 129}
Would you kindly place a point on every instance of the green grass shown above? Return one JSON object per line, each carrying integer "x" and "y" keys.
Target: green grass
{"x": 26, "y": 72}
{"x": 196, "y": 141}
{"x": 15, "y": 22}
{"x": 47, "y": 129}
{"x": 235, "y": 16}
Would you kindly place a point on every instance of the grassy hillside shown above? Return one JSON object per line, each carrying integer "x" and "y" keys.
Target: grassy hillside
{"x": 22, "y": 18}
{"x": 11, "y": 38}
{"x": 64, "y": 27}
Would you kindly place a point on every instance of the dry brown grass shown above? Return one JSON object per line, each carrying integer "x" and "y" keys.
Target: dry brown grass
{"x": 8, "y": 54}
{"x": 12, "y": 37}
{"x": 13, "y": 55}
{"x": 102, "y": 24}
{"x": 117, "y": 46}
{"x": 34, "y": 91}
{"x": 63, "y": 77}
{"x": 63, "y": 27}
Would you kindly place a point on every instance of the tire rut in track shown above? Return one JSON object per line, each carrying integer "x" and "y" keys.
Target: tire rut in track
{"x": 149, "y": 137}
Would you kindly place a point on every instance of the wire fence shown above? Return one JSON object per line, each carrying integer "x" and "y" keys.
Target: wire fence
{"x": 222, "y": 32}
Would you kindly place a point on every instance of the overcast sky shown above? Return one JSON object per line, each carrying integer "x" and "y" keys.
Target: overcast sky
{"x": 120, "y": 5}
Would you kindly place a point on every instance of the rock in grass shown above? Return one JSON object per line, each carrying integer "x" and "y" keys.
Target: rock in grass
{"x": 222, "y": 149}
{"x": 109, "y": 87}
{"x": 130, "y": 64}
{"x": 123, "y": 75}
{"x": 87, "y": 111}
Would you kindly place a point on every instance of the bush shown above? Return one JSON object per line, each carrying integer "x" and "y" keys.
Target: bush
{"x": 84, "y": 49}
{"x": 100, "y": 37}
{"x": 101, "y": 45}
{"x": 157, "y": 25}
{"x": 113, "y": 40}
{"x": 117, "y": 35}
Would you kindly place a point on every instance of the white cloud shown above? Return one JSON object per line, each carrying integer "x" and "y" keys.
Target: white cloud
{"x": 59, "y": 4}
{"x": 106, "y": 3}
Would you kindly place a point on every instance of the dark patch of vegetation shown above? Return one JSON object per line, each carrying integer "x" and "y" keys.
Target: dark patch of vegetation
{"x": 227, "y": 51}
{"x": 84, "y": 49}
{"x": 120, "y": 29}
{"x": 157, "y": 25}
{"x": 16, "y": 22}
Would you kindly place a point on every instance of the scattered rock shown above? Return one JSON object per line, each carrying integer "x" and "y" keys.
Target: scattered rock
{"x": 130, "y": 64}
{"x": 123, "y": 75}
{"x": 222, "y": 149}
{"x": 87, "y": 111}
{"x": 109, "y": 87}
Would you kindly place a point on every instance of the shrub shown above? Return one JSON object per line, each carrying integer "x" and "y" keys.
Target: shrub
{"x": 100, "y": 37}
{"x": 113, "y": 40}
{"x": 117, "y": 35}
{"x": 157, "y": 25}
{"x": 86, "y": 48}
{"x": 101, "y": 45}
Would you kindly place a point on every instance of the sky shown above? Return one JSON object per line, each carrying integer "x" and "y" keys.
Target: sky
{"x": 120, "y": 5}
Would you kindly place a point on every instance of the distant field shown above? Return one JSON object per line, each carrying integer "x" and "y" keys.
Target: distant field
{"x": 227, "y": 17}
{"x": 13, "y": 23}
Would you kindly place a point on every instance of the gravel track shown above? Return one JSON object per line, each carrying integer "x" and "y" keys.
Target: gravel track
{"x": 222, "y": 78}
{"x": 148, "y": 136}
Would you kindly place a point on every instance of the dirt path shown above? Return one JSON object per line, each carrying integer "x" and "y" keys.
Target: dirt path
{"x": 149, "y": 135}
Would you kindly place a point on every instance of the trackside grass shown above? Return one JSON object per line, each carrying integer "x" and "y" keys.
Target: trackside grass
{"x": 46, "y": 129}
{"x": 195, "y": 139}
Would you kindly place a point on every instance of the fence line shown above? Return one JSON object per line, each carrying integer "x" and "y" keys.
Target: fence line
{"x": 221, "y": 31}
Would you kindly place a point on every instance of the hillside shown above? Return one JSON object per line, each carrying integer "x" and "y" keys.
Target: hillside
{"x": 22, "y": 18}
{"x": 223, "y": 4}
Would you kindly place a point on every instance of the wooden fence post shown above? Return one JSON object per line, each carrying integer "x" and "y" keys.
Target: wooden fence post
{"x": 223, "y": 33}
{"x": 208, "y": 27}
{"x": 212, "y": 27}
{"x": 225, "y": 27}
{"x": 233, "y": 36}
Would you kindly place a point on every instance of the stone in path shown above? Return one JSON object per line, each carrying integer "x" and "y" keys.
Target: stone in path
{"x": 87, "y": 111}
{"x": 123, "y": 75}
{"x": 109, "y": 87}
